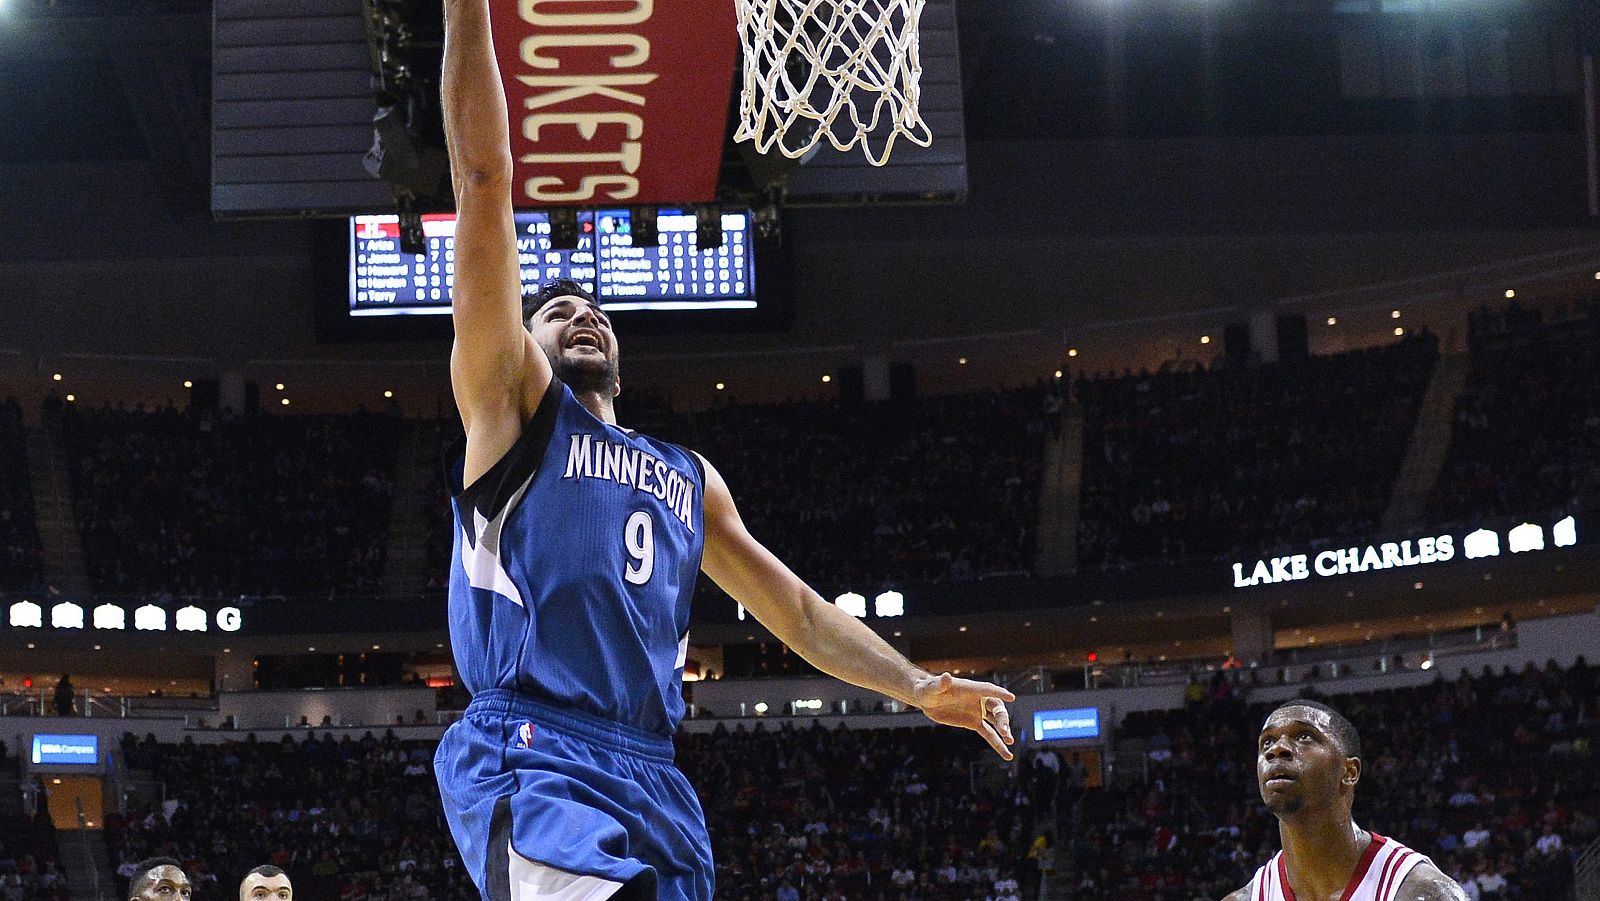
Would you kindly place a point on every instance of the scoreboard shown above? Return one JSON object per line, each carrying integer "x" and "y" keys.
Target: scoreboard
{"x": 672, "y": 274}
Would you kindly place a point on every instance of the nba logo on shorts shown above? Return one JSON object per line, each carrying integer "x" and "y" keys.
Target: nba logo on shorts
{"x": 525, "y": 735}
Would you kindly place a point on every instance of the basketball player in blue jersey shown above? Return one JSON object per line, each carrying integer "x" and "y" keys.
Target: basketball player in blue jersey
{"x": 578, "y": 543}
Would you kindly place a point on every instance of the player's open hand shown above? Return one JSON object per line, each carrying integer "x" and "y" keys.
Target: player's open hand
{"x": 978, "y": 706}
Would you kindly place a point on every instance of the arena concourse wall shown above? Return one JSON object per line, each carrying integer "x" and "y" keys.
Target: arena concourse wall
{"x": 356, "y": 711}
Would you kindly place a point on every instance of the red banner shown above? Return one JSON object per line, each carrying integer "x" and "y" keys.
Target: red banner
{"x": 615, "y": 101}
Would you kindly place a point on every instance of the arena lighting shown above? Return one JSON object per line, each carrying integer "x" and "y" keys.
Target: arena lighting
{"x": 188, "y": 384}
{"x": 398, "y": 157}
{"x": 721, "y": 386}
{"x": 853, "y": 604}
{"x": 1333, "y": 320}
{"x": 889, "y": 603}
{"x": 1510, "y": 293}
{"x": 72, "y": 398}
{"x": 388, "y": 394}
{"x": 564, "y": 228}
{"x": 761, "y": 708}
{"x": 1427, "y": 662}
{"x": 1072, "y": 351}
{"x": 110, "y": 616}
{"x": 826, "y": 379}
{"x": 1394, "y": 314}
{"x": 413, "y": 237}
{"x": 768, "y": 224}
{"x": 27, "y": 615}
{"x": 66, "y": 615}
{"x": 278, "y": 386}
{"x": 1205, "y": 339}
{"x": 961, "y": 360}
{"x": 150, "y": 618}
{"x": 642, "y": 226}
{"x": 1398, "y": 331}
{"x": 284, "y": 402}
{"x": 57, "y": 377}
{"x": 1058, "y": 373}
{"x": 707, "y": 228}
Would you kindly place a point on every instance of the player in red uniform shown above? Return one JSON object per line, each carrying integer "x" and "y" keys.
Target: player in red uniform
{"x": 1308, "y": 761}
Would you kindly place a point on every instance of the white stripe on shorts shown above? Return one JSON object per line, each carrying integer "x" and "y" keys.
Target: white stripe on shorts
{"x": 536, "y": 882}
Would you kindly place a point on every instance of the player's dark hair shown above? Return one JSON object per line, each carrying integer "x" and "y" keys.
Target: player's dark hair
{"x": 266, "y": 869}
{"x": 561, "y": 287}
{"x": 142, "y": 870}
{"x": 1343, "y": 730}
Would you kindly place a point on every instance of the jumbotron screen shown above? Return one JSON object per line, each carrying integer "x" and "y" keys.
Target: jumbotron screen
{"x": 673, "y": 274}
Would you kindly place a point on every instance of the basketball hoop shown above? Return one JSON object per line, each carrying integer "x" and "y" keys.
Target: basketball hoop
{"x": 847, "y": 70}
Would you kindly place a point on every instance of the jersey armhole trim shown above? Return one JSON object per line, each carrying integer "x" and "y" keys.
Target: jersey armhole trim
{"x": 490, "y": 492}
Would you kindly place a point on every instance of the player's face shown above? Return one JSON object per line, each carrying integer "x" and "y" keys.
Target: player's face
{"x": 578, "y": 339}
{"x": 1299, "y": 762}
{"x": 166, "y": 883}
{"x": 257, "y": 887}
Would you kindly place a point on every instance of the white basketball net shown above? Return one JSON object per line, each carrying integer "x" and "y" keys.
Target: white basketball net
{"x": 847, "y": 70}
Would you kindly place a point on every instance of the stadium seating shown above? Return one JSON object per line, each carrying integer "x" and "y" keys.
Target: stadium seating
{"x": 1525, "y": 442}
{"x": 28, "y": 865}
{"x": 1478, "y": 773}
{"x": 19, "y": 537}
{"x": 1228, "y": 462}
{"x": 868, "y": 495}
{"x": 347, "y": 819}
{"x": 201, "y": 504}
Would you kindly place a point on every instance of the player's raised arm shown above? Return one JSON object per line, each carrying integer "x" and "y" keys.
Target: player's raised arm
{"x": 495, "y": 368}
{"x": 830, "y": 639}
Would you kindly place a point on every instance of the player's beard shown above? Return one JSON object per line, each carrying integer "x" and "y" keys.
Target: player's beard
{"x": 1286, "y": 806}
{"x": 588, "y": 375}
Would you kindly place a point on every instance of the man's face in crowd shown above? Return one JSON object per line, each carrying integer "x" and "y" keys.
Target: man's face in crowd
{"x": 257, "y": 887}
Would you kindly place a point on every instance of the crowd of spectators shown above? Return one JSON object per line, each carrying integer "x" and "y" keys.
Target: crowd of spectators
{"x": 817, "y": 814}
{"x": 198, "y": 503}
{"x": 1231, "y": 462}
{"x": 1493, "y": 777}
{"x": 868, "y": 495}
{"x": 29, "y": 870}
{"x": 20, "y": 563}
{"x": 1525, "y": 442}
{"x": 347, "y": 819}
{"x": 917, "y": 490}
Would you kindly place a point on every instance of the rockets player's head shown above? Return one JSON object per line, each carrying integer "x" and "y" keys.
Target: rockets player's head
{"x": 568, "y": 325}
{"x": 159, "y": 879}
{"x": 1308, "y": 759}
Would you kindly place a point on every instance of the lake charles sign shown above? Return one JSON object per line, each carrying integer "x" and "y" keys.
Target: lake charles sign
{"x": 1394, "y": 554}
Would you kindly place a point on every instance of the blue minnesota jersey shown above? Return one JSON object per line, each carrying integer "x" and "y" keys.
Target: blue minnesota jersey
{"x": 575, "y": 562}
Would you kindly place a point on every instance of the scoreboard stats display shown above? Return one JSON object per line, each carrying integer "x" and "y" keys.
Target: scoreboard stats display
{"x": 673, "y": 274}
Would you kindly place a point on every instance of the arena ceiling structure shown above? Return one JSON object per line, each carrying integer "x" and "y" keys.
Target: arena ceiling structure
{"x": 1114, "y": 205}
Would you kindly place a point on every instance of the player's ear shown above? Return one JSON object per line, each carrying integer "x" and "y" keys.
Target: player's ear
{"x": 1352, "y": 771}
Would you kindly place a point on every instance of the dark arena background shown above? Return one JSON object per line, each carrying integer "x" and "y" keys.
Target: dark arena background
{"x": 1217, "y": 352}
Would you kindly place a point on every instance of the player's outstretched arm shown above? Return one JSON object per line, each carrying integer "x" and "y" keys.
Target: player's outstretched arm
{"x": 1426, "y": 882}
{"x": 830, "y": 639}
{"x": 496, "y": 370}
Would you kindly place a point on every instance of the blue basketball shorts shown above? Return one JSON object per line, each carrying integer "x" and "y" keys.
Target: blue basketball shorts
{"x": 573, "y": 792}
